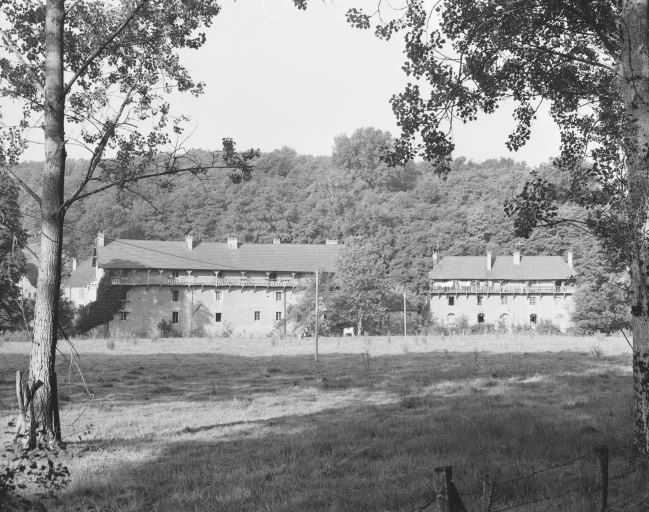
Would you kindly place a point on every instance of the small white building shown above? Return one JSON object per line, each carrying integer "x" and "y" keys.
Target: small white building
{"x": 81, "y": 287}
{"x": 503, "y": 291}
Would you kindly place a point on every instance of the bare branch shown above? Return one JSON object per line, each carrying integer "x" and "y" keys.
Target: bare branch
{"x": 34, "y": 78}
{"x": 570, "y": 57}
{"x": 90, "y": 59}
{"x": 98, "y": 153}
{"x": 166, "y": 172}
{"x": 25, "y": 187}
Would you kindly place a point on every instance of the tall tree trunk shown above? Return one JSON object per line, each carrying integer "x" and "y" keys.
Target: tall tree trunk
{"x": 634, "y": 84}
{"x": 360, "y": 325}
{"x": 43, "y": 351}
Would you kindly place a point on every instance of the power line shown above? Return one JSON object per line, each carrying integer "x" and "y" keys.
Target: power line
{"x": 116, "y": 240}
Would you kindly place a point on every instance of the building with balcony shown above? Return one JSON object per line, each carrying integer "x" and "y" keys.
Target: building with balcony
{"x": 207, "y": 288}
{"x": 503, "y": 291}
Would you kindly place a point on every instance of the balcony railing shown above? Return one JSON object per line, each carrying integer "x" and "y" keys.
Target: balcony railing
{"x": 508, "y": 289}
{"x": 241, "y": 282}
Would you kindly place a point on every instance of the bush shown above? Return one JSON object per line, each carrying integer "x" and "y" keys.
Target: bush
{"x": 547, "y": 327}
{"x": 482, "y": 328}
{"x": 167, "y": 329}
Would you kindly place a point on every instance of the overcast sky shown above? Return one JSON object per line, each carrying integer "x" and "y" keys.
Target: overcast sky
{"x": 278, "y": 77}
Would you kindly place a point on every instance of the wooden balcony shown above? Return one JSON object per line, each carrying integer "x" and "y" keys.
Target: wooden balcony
{"x": 503, "y": 290}
{"x": 213, "y": 281}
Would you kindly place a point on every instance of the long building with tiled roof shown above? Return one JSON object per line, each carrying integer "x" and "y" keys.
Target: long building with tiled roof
{"x": 504, "y": 291}
{"x": 212, "y": 288}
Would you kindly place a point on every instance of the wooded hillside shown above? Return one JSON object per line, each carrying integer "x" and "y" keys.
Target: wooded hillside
{"x": 404, "y": 212}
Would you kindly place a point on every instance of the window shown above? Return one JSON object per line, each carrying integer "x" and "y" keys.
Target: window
{"x": 217, "y": 317}
{"x": 278, "y": 296}
{"x": 218, "y": 295}
{"x": 175, "y": 274}
{"x": 278, "y": 315}
{"x": 450, "y": 318}
{"x": 479, "y": 299}
{"x": 451, "y": 301}
{"x": 123, "y": 316}
{"x": 503, "y": 299}
{"x": 533, "y": 319}
{"x": 174, "y": 317}
{"x": 531, "y": 300}
{"x": 481, "y": 318}
{"x": 174, "y": 295}
{"x": 272, "y": 275}
{"x": 257, "y": 315}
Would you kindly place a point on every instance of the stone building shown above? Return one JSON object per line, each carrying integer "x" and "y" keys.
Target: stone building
{"x": 208, "y": 288}
{"x": 503, "y": 291}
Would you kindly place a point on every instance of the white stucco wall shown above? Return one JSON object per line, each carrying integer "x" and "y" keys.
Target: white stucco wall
{"x": 556, "y": 308}
{"x": 197, "y": 307}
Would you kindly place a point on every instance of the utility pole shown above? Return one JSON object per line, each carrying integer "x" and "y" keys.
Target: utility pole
{"x": 317, "y": 315}
{"x": 285, "y": 319}
{"x": 405, "y": 317}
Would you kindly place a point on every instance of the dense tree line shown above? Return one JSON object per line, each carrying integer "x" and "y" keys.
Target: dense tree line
{"x": 403, "y": 213}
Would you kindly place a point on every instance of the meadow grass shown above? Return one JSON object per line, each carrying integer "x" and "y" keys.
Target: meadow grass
{"x": 199, "y": 426}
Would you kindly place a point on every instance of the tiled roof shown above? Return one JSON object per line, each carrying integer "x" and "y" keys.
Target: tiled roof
{"x": 155, "y": 254}
{"x": 82, "y": 276}
{"x": 531, "y": 268}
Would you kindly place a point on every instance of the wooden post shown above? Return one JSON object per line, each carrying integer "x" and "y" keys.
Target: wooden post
{"x": 601, "y": 452}
{"x": 56, "y": 420}
{"x": 19, "y": 391}
{"x": 487, "y": 492}
{"x": 317, "y": 315}
{"x": 442, "y": 478}
{"x": 285, "y": 318}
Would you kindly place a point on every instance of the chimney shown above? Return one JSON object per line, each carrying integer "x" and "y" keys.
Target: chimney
{"x": 517, "y": 257}
{"x": 189, "y": 240}
{"x": 74, "y": 264}
{"x": 276, "y": 241}
{"x": 570, "y": 258}
{"x": 489, "y": 261}
{"x": 233, "y": 242}
{"x": 435, "y": 256}
{"x": 333, "y": 241}
{"x": 100, "y": 239}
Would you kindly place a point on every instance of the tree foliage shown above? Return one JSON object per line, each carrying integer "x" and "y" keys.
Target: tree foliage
{"x": 12, "y": 261}
{"x": 359, "y": 288}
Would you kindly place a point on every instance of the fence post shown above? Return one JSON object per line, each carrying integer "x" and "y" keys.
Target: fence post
{"x": 448, "y": 499}
{"x": 601, "y": 452}
{"x": 487, "y": 492}
{"x": 443, "y": 477}
{"x": 56, "y": 421}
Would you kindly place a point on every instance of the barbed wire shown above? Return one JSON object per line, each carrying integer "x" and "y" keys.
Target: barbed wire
{"x": 539, "y": 500}
{"x": 544, "y": 470}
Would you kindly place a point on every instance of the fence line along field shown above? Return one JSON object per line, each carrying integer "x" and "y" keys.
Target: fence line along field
{"x": 255, "y": 424}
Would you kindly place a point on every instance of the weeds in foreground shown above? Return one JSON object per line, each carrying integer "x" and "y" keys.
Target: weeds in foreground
{"x": 597, "y": 353}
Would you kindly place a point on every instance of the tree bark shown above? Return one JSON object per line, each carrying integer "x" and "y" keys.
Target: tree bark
{"x": 43, "y": 350}
{"x": 634, "y": 85}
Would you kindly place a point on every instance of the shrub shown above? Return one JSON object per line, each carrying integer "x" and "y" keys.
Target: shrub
{"x": 482, "y": 328}
{"x": 167, "y": 329}
{"x": 547, "y": 327}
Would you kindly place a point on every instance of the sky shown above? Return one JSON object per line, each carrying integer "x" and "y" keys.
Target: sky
{"x": 276, "y": 76}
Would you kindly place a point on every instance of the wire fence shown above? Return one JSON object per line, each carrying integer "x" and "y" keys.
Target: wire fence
{"x": 593, "y": 491}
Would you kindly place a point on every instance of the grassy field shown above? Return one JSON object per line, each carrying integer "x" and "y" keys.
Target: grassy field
{"x": 256, "y": 425}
